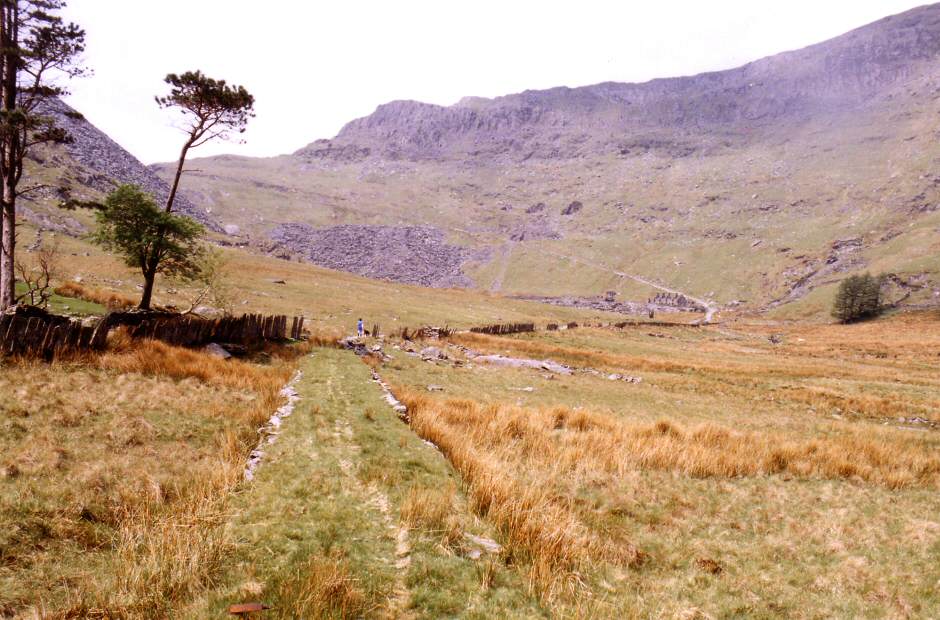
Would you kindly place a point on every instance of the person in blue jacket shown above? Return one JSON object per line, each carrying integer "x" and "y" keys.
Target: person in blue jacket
{"x": 360, "y": 328}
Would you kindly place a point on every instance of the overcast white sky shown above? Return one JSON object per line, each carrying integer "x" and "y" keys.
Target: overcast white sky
{"x": 315, "y": 65}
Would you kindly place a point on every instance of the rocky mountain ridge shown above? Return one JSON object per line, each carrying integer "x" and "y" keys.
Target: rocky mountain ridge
{"x": 676, "y": 115}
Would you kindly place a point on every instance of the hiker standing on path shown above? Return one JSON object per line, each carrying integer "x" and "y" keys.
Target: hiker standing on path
{"x": 360, "y": 328}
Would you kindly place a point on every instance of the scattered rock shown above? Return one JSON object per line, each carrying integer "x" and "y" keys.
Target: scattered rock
{"x": 435, "y": 388}
{"x": 513, "y": 362}
{"x": 354, "y": 345}
{"x": 269, "y": 431}
{"x": 572, "y": 208}
{"x": 482, "y": 545}
{"x": 231, "y": 229}
{"x": 536, "y": 208}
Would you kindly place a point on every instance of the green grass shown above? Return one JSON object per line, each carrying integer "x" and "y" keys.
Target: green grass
{"x": 68, "y": 305}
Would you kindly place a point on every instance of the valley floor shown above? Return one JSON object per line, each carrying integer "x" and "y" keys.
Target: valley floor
{"x": 677, "y": 471}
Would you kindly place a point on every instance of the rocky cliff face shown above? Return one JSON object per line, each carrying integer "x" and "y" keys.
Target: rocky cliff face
{"x": 675, "y": 115}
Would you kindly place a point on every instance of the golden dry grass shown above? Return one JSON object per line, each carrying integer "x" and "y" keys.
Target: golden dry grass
{"x": 108, "y": 299}
{"x": 524, "y": 467}
{"x": 428, "y": 508}
{"x": 130, "y": 462}
{"x": 539, "y": 528}
{"x": 737, "y": 466}
{"x": 801, "y": 371}
{"x": 155, "y": 358}
{"x": 324, "y": 336}
{"x": 321, "y": 588}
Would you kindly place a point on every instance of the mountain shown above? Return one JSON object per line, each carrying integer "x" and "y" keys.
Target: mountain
{"x": 754, "y": 187}
{"x": 86, "y": 169}
{"x": 679, "y": 115}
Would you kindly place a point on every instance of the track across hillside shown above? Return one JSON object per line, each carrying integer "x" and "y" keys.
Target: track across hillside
{"x": 710, "y": 307}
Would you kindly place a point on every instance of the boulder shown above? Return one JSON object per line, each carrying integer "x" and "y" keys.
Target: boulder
{"x": 433, "y": 353}
{"x": 216, "y": 350}
{"x": 513, "y": 362}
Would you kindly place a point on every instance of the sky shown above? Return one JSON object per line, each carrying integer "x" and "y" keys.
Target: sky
{"x": 313, "y": 66}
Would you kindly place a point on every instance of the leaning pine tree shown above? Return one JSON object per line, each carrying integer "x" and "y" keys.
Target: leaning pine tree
{"x": 212, "y": 110}
{"x": 36, "y": 48}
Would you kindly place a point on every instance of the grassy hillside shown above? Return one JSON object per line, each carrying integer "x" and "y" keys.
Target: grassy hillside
{"x": 327, "y": 298}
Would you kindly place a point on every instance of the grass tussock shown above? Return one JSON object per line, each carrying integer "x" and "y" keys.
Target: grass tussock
{"x": 325, "y": 337}
{"x": 167, "y": 557}
{"x": 539, "y": 475}
{"x": 579, "y": 439}
{"x": 428, "y": 508}
{"x": 108, "y": 299}
{"x": 320, "y": 588}
{"x": 539, "y": 529}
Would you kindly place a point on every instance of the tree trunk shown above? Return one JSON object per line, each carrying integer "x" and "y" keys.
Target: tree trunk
{"x": 176, "y": 178}
{"x": 150, "y": 276}
{"x": 7, "y": 246}
{"x": 9, "y": 147}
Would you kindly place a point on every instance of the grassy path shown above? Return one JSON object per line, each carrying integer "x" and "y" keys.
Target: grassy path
{"x": 320, "y": 532}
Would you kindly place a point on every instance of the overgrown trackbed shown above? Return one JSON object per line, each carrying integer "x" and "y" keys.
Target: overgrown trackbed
{"x": 319, "y": 531}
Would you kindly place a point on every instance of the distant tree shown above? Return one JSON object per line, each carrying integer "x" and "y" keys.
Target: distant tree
{"x": 36, "y": 48}
{"x": 212, "y": 109}
{"x": 858, "y": 297}
{"x": 149, "y": 238}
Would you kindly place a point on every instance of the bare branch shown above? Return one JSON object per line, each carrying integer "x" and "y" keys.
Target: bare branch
{"x": 31, "y": 188}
